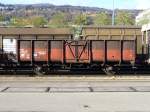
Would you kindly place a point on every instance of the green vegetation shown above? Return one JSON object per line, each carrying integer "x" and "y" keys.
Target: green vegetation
{"x": 18, "y": 22}
{"x": 81, "y": 19}
{"x": 2, "y": 18}
{"x": 124, "y": 18}
{"x": 77, "y": 31}
{"x": 144, "y": 20}
{"x": 58, "y": 20}
{"x": 102, "y": 19}
{"x": 34, "y": 21}
{"x": 62, "y": 16}
{"x": 38, "y": 21}
{"x": 62, "y": 19}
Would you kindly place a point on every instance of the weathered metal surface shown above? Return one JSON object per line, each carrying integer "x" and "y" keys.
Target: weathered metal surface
{"x": 83, "y": 51}
{"x": 40, "y": 51}
{"x": 25, "y": 50}
{"x": 114, "y": 33}
{"x": 1, "y": 42}
{"x": 98, "y": 51}
{"x": 35, "y": 31}
{"x": 77, "y": 51}
{"x": 128, "y": 51}
{"x": 113, "y": 50}
{"x": 140, "y": 45}
{"x": 70, "y": 51}
{"x": 56, "y": 51}
{"x": 110, "y": 31}
{"x": 45, "y": 37}
{"x": 27, "y": 37}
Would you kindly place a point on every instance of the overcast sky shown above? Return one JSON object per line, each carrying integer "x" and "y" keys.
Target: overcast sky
{"x": 123, "y": 4}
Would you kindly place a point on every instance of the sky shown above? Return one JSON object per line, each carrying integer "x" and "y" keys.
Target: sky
{"x": 121, "y": 4}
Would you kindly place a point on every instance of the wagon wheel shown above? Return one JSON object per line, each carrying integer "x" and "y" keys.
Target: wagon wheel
{"x": 38, "y": 71}
{"x": 109, "y": 70}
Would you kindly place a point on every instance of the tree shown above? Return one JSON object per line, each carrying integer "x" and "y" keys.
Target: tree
{"x": 2, "y": 18}
{"x": 124, "y": 18}
{"x": 144, "y": 20}
{"x": 38, "y": 21}
{"x": 19, "y": 22}
{"x": 58, "y": 20}
{"x": 34, "y": 21}
{"x": 102, "y": 19}
{"x": 81, "y": 19}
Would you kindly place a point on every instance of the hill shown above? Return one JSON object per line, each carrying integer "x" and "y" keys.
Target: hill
{"x": 47, "y": 10}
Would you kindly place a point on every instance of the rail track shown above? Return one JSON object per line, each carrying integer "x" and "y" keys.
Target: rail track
{"x": 63, "y": 84}
{"x": 74, "y": 78}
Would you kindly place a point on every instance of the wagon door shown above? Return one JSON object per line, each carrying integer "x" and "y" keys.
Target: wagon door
{"x": 98, "y": 50}
{"x": 77, "y": 52}
{"x": 40, "y": 51}
{"x": 129, "y": 50}
{"x": 113, "y": 50}
{"x": 56, "y": 51}
{"x": 83, "y": 51}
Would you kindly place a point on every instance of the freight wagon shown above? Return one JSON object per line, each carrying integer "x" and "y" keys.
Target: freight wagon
{"x": 106, "y": 48}
{"x": 9, "y": 46}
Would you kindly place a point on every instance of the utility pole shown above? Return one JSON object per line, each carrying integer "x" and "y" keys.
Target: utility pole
{"x": 113, "y": 14}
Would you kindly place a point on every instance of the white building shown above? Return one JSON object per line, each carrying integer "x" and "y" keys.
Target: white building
{"x": 143, "y": 17}
{"x": 146, "y": 32}
{"x": 146, "y": 37}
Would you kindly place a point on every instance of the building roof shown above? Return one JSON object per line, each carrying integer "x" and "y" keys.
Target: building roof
{"x": 34, "y": 31}
{"x": 140, "y": 15}
{"x": 146, "y": 27}
{"x": 143, "y": 15}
